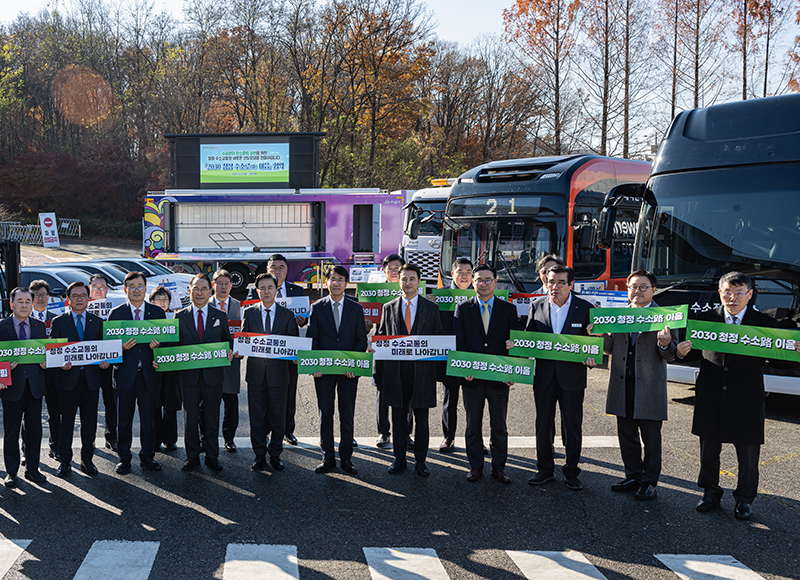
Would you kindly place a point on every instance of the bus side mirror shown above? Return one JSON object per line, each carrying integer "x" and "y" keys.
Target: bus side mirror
{"x": 608, "y": 215}
{"x": 605, "y": 227}
{"x": 585, "y": 237}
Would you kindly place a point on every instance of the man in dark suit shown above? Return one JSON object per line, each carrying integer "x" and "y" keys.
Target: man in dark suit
{"x": 729, "y": 400}
{"x": 267, "y": 379}
{"x": 405, "y": 385}
{"x": 483, "y": 324}
{"x": 279, "y": 268}
{"x": 22, "y": 400}
{"x": 637, "y": 391}
{"x": 231, "y": 386}
{"x": 337, "y": 323}
{"x": 78, "y": 385}
{"x": 40, "y": 290}
{"x": 564, "y": 382}
{"x": 201, "y": 389}
{"x": 135, "y": 379}
{"x": 98, "y": 290}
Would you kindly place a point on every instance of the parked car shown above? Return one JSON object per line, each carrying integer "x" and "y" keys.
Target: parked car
{"x": 156, "y": 274}
{"x": 114, "y": 274}
{"x": 59, "y": 278}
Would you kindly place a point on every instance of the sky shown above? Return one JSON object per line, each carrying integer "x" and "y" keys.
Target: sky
{"x": 458, "y": 20}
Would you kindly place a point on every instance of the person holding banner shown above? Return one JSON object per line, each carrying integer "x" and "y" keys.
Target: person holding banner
{"x": 78, "y": 385}
{"x": 268, "y": 379}
{"x": 135, "y": 380}
{"x": 637, "y": 391}
{"x": 22, "y": 400}
{"x": 232, "y": 384}
{"x": 483, "y": 325}
{"x": 165, "y": 409}
{"x": 561, "y": 312}
{"x": 98, "y": 285}
{"x": 201, "y": 388}
{"x": 409, "y": 386}
{"x": 729, "y": 400}
{"x": 40, "y": 290}
{"x": 337, "y": 323}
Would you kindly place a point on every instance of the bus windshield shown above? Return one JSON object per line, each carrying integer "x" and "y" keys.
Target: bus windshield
{"x": 708, "y": 222}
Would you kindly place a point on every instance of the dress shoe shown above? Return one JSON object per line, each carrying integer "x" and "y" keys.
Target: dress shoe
{"x": 706, "y": 504}
{"x": 646, "y": 492}
{"x": 626, "y": 485}
{"x": 230, "y": 446}
{"x": 409, "y": 442}
{"x": 574, "y": 483}
{"x": 110, "y": 444}
{"x": 190, "y": 464}
{"x": 485, "y": 450}
{"x": 541, "y": 478}
{"x": 259, "y": 464}
{"x": 290, "y": 439}
{"x": 422, "y": 469}
{"x": 447, "y": 446}
{"x": 11, "y": 480}
{"x": 348, "y": 467}
{"x": 150, "y": 464}
{"x": 87, "y": 466}
{"x": 355, "y": 443}
{"x": 325, "y": 467}
{"x": 170, "y": 447}
{"x": 276, "y": 464}
{"x": 64, "y": 470}
{"x": 500, "y": 475}
{"x": 123, "y": 467}
{"x": 382, "y": 441}
{"x": 742, "y": 511}
{"x": 398, "y": 467}
{"x": 213, "y": 464}
{"x": 53, "y": 453}
{"x": 474, "y": 474}
{"x": 35, "y": 476}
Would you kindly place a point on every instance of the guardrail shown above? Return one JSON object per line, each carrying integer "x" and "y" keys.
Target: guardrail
{"x": 31, "y": 234}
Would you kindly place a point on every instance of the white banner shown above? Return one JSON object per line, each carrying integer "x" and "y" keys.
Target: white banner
{"x": 299, "y": 305}
{"x": 49, "y": 226}
{"x": 523, "y": 302}
{"x": 88, "y": 352}
{"x": 269, "y": 345}
{"x": 414, "y": 347}
{"x": 102, "y": 306}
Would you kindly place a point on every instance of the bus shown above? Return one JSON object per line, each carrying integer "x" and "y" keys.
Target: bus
{"x": 510, "y": 213}
{"x": 422, "y": 227}
{"x": 724, "y": 195}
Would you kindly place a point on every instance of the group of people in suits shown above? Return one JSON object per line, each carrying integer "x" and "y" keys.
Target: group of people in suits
{"x": 729, "y": 406}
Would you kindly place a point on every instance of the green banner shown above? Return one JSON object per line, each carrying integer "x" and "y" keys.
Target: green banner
{"x": 611, "y": 320}
{"x": 165, "y": 330}
{"x": 566, "y": 347}
{"x": 490, "y": 367}
{"x": 770, "y": 343}
{"x": 383, "y": 292}
{"x": 334, "y": 362}
{"x": 448, "y": 298}
{"x": 196, "y": 356}
{"x": 26, "y": 352}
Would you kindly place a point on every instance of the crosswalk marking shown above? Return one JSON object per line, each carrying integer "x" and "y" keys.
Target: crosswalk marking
{"x": 404, "y": 564}
{"x": 700, "y": 567}
{"x": 10, "y": 551}
{"x": 568, "y": 565}
{"x": 117, "y": 560}
{"x": 260, "y": 562}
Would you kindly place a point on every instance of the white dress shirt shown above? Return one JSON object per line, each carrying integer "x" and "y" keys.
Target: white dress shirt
{"x": 558, "y": 314}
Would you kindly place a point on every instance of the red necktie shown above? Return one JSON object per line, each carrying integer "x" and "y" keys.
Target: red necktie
{"x": 201, "y": 329}
{"x": 136, "y": 315}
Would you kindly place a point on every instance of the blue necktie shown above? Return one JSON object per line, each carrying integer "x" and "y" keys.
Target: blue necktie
{"x": 79, "y": 325}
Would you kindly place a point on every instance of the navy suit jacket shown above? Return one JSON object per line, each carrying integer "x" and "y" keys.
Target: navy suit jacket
{"x": 468, "y": 327}
{"x": 124, "y": 373}
{"x": 36, "y": 329}
{"x": 352, "y": 333}
{"x": 215, "y": 330}
{"x": 274, "y": 372}
{"x": 64, "y": 327}
{"x": 571, "y": 375}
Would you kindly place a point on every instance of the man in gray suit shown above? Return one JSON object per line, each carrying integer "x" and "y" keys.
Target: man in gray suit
{"x": 267, "y": 379}
{"x": 409, "y": 384}
{"x": 637, "y": 391}
{"x": 231, "y": 386}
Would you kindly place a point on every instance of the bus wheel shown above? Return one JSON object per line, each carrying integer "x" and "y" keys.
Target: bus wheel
{"x": 240, "y": 277}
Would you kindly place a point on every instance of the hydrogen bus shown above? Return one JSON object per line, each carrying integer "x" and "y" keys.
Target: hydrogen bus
{"x": 510, "y": 213}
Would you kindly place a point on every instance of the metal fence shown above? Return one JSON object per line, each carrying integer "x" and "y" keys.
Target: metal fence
{"x": 31, "y": 234}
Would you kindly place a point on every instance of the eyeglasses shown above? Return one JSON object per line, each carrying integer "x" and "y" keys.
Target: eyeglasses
{"x": 729, "y": 294}
{"x": 639, "y": 287}
{"x": 41, "y": 295}
{"x": 163, "y": 300}
{"x": 78, "y": 296}
{"x": 140, "y": 287}
{"x": 559, "y": 283}
{"x": 484, "y": 280}
{"x": 200, "y": 289}
{"x": 392, "y": 269}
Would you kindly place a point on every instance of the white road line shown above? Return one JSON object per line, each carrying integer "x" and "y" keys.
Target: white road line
{"x": 701, "y": 567}
{"x": 10, "y": 551}
{"x": 568, "y": 565}
{"x": 260, "y": 562}
{"x": 404, "y": 564}
{"x": 118, "y": 560}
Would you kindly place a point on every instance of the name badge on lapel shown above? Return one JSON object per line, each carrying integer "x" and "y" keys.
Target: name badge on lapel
{"x": 577, "y": 325}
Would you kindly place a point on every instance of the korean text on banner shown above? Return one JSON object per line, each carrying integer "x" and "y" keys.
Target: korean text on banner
{"x": 334, "y": 362}
{"x": 383, "y": 292}
{"x": 102, "y": 306}
{"x": 372, "y": 311}
{"x": 448, "y": 298}
{"x": 611, "y": 320}
{"x": 523, "y": 302}
{"x": 566, "y": 347}
{"x": 269, "y": 345}
{"x": 770, "y": 343}
{"x": 88, "y": 352}
{"x": 26, "y": 352}
{"x": 197, "y": 356}
{"x": 489, "y": 367}
{"x": 414, "y": 347}
{"x": 299, "y": 305}
{"x": 141, "y": 330}
{"x": 5, "y": 373}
